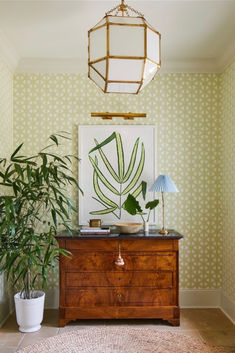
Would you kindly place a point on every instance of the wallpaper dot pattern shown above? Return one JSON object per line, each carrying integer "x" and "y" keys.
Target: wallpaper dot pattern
{"x": 6, "y": 143}
{"x": 6, "y": 109}
{"x": 184, "y": 108}
{"x": 227, "y": 179}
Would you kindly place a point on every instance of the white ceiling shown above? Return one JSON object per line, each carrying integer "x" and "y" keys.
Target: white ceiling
{"x": 49, "y": 35}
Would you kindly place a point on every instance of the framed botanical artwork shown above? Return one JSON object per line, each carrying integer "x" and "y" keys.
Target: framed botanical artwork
{"x": 115, "y": 159}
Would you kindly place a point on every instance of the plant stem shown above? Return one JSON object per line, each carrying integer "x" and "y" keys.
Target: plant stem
{"x": 28, "y": 291}
{"x": 120, "y": 202}
{"x": 148, "y": 216}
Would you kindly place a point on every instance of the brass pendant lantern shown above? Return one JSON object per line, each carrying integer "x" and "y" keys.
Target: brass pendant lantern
{"x": 124, "y": 51}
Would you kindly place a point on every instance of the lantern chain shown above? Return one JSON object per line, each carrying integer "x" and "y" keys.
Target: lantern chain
{"x": 135, "y": 11}
{"x": 119, "y": 8}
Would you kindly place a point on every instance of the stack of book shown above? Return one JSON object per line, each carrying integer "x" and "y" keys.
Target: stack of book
{"x": 94, "y": 230}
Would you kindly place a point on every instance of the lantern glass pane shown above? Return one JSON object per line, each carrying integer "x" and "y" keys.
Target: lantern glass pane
{"x": 98, "y": 47}
{"x": 149, "y": 69}
{"x": 101, "y": 67}
{"x": 149, "y": 78}
{"x": 126, "y": 41}
{"x": 122, "y": 87}
{"x": 98, "y": 80}
{"x": 153, "y": 40}
{"x": 125, "y": 70}
{"x": 125, "y": 19}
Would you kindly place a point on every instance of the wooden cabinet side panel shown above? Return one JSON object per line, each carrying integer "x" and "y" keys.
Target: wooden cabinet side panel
{"x": 62, "y": 273}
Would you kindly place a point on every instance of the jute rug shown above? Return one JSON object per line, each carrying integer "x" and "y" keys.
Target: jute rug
{"x": 121, "y": 340}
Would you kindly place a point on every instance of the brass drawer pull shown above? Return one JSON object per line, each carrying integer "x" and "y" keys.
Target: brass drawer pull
{"x": 119, "y": 261}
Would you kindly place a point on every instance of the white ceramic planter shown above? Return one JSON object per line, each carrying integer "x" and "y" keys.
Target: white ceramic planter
{"x": 146, "y": 227}
{"x": 29, "y": 312}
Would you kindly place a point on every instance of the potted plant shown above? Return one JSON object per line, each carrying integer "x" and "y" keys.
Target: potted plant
{"x": 132, "y": 206}
{"x": 34, "y": 202}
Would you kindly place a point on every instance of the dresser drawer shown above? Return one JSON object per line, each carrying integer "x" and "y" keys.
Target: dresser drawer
{"x": 96, "y": 261}
{"x": 119, "y": 296}
{"x": 119, "y": 279}
{"x": 126, "y": 244}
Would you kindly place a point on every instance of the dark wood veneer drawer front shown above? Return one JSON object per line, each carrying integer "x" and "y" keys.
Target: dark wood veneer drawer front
{"x": 126, "y": 245}
{"x": 119, "y": 296}
{"x": 96, "y": 261}
{"x": 146, "y": 286}
{"x": 119, "y": 279}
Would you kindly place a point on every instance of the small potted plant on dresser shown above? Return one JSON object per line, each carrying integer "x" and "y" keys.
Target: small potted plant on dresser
{"x": 33, "y": 203}
{"x": 132, "y": 206}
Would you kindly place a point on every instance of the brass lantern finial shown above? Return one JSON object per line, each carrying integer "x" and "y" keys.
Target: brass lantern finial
{"x": 122, "y": 7}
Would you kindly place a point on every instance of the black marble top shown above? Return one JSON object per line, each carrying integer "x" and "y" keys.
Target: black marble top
{"x": 114, "y": 233}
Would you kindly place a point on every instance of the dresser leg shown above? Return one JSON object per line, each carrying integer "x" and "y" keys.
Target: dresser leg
{"x": 63, "y": 322}
{"x": 174, "y": 322}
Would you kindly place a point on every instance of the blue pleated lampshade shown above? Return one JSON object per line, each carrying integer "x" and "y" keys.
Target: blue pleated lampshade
{"x": 163, "y": 183}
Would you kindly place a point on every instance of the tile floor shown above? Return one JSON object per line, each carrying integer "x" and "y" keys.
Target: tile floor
{"x": 210, "y": 324}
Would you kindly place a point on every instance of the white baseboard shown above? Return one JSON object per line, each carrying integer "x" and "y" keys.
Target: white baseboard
{"x": 52, "y": 298}
{"x": 189, "y": 298}
{"x": 228, "y": 307}
{"x": 6, "y": 317}
{"x": 200, "y": 298}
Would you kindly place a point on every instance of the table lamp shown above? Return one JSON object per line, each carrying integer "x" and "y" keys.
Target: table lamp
{"x": 163, "y": 184}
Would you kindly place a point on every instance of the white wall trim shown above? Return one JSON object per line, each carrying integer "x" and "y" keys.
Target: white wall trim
{"x": 227, "y": 58}
{"x": 79, "y": 65}
{"x": 2, "y": 322}
{"x": 189, "y": 298}
{"x": 200, "y": 298}
{"x": 228, "y": 307}
{"x": 52, "y": 66}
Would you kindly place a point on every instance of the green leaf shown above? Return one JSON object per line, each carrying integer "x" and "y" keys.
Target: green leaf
{"x": 137, "y": 191}
{"x": 29, "y": 173}
{"x": 3, "y": 161}
{"x": 98, "y": 191}
{"x": 101, "y": 212}
{"x": 132, "y": 161}
{"x": 109, "y": 139}
{"x": 16, "y": 151}
{"x": 54, "y": 139}
{"x": 152, "y": 204}
{"x": 102, "y": 178}
{"x": 144, "y": 189}
{"x": 107, "y": 163}
{"x": 138, "y": 172}
{"x": 132, "y": 206}
{"x": 120, "y": 155}
{"x": 53, "y": 213}
{"x": 19, "y": 170}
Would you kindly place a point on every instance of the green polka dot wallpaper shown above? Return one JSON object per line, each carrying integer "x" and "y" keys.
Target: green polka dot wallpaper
{"x": 6, "y": 144}
{"x": 6, "y": 109}
{"x": 227, "y": 180}
{"x": 185, "y": 109}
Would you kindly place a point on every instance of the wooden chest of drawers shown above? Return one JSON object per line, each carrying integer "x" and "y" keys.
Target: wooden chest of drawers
{"x": 92, "y": 286}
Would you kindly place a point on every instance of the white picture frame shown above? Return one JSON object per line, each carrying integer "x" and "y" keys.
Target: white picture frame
{"x": 90, "y": 202}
